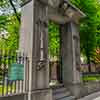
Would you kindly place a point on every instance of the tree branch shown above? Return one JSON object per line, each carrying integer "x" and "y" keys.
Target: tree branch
{"x": 15, "y": 11}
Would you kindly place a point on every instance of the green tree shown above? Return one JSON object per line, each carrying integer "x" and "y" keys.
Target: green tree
{"x": 9, "y": 24}
{"x": 54, "y": 39}
{"x": 10, "y": 40}
{"x": 3, "y": 23}
{"x": 10, "y": 6}
{"x": 13, "y": 36}
{"x": 88, "y": 27}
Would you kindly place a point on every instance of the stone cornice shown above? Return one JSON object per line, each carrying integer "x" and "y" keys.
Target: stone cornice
{"x": 25, "y": 3}
{"x": 63, "y": 12}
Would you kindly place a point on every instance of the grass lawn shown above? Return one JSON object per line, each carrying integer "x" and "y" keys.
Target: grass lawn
{"x": 91, "y": 78}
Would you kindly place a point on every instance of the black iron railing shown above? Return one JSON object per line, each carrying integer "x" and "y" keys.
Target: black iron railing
{"x": 9, "y": 86}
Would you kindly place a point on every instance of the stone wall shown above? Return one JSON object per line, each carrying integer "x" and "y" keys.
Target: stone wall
{"x": 14, "y": 97}
{"x": 83, "y": 89}
{"x": 35, "y": 95}
{"x": 45, "y": 94}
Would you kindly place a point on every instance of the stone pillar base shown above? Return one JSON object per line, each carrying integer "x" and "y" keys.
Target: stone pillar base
{"x": 77, "y": 89}
{"x": 45, "y": 94}
{"x": 83, "y": 89}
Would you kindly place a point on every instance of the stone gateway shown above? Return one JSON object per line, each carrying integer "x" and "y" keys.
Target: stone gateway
{"x": 34, "y": 43}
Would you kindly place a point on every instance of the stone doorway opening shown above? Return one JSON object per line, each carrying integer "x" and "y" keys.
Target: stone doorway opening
{"x": 54, "y": 47}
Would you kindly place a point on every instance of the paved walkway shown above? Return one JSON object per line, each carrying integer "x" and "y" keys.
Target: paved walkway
{"x": 98, "y": 98}
{"x": 94, "y": 96}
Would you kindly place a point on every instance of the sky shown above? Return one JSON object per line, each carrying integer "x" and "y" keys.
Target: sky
{"x": 9, "y": 9}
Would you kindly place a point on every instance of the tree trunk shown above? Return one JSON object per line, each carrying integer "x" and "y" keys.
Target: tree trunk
{"x": 89, "y": 63}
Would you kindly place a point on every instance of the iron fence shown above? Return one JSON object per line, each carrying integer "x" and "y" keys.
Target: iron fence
{"x": 8, "y": 86}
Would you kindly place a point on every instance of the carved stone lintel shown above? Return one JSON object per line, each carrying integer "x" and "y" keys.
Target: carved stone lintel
{"x": 76, "y": 37}
{"x": 53, "y": 3}
{"x": 41, "y": 65}
{"x": 44, "y": 1}
{"x": 43, "y": 22}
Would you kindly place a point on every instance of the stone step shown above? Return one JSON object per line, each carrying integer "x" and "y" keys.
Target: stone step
{"x": 60, "y": 90}
{"x": 62, "y": 94}
{"x": 66, "y": 98}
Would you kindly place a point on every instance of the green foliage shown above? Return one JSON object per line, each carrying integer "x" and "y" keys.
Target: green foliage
{"x": 11, "y": 38}
{"x": 9, "y": 25}
{"x": 91, "y": 78}
{"x": 89, "y": 26}
{"x": 7, "y": 89}
{"x": 54, "y": 40}
{"x": 3, "y": 20}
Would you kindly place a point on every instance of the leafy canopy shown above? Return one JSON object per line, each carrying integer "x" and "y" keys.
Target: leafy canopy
{"x": 89, "y": 26}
